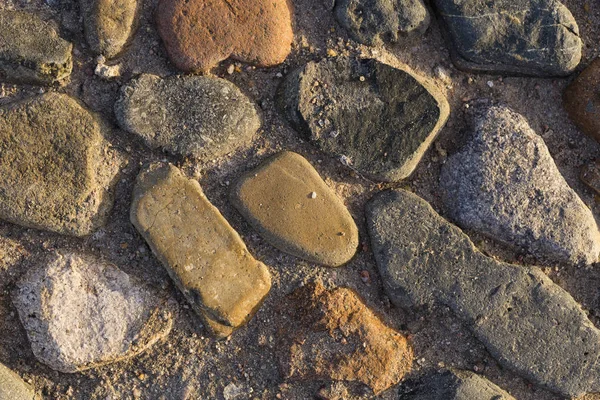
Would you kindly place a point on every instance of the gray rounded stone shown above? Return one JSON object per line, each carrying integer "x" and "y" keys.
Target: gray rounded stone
{"x": 378, "y": 119}
{"x": 531, "y": 37}
{"x": 199, "y": 116}
{"x": 80, "y": 313}
{"x": 505, "y": 184}
{"x": 376, "y": 21}
{"x": 31, "y": 51}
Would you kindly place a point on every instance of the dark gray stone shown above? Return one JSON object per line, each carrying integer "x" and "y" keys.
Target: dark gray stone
{"x": 504, "y": 184}
{"x": 528, "y": 323}
{"x": 199, "y": 116}
{"x": 378, "y": 119}
{"x": 12, "y": 386}
{"x": 31, "y": 50}
{"x": 456, "y": 385}
{"x": 376, "y": 21}
{"x": 531, "y": 37}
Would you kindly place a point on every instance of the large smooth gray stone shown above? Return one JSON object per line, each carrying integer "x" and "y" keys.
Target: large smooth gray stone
{"x": 529, "y": 324}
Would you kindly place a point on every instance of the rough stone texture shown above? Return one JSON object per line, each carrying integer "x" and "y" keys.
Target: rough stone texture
{"x": 528, "y": 323}
{"x": 381, "y": 119}
{"x": 582, "y": 100}
{"x": 531, "y": 37}
{"x": 202, "y": 116}
{"x": 108, "y": 24}
{"x": 504, "y": 184}
{"x": 205, "y": 257}
{"x": 80, "y": 313}
{"x": 199, "y": 34}
{"x": 56, "y": 169}
{"x": 456, "y": 385}
{"x": 12, "y": 387}
{"x": 332, "y": 334}
{"x": 590, "y": 175}
{"x": 277, "y": 200}
{"x": 31, "y": 50}
{"x": 376, "y": 21}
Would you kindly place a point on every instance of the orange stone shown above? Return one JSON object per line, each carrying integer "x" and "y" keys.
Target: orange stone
{"x": 582, "y": 100}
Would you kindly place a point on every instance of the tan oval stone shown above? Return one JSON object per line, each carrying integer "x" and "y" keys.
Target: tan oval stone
{"x": 286, "y": 200}
{"x": 204, "y": 256}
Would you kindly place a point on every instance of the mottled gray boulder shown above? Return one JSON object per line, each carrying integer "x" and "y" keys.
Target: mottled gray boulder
{"x": 531, "y": 37}
{"x": 378, "y": 119}
{"x": 198, "y": 116}
{"x": 31, "y": 50}
{"x": 528, "y": 324}
{"x": 504, "y": 184}
{"x": 376, "y": 21}
{"x": 108, "y": 24}
{"x": 12, "y": 386}
{"x": 57, "y": 169}
{"x": 80, "y": 313}
{"x": 456, "y": 385}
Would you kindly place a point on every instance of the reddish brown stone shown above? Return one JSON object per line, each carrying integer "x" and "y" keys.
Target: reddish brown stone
{"x": 198, "y": 34}
{"x": 332, "y": 334}
{"x": 582, "y": 100}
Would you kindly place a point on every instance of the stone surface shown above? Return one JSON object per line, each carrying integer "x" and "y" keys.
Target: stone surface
{"x": 504, "y": 184}
{"x": 379, "y": 118}
{"x": 80, "y": 313}
{"x": 12, "y": 387}
{"x": 531, "y": 37}
{"x": 108, "y": 24}
{"x": 31, "y": 51}
{"x": 373, "y": 22}
{"x": 286, "y": 200}
{"x": 333, "y": 335}
{"x": 204, "y": 256}
{"x": 198, "y": 34}
{"x": 528, "y": 324}
{"x": 582, "y": 100}
{"x": 201, "y": 116}
{"x": 456, "y": 385}
{"x": 590, "y": 175}
{"x": 56, "y": 169}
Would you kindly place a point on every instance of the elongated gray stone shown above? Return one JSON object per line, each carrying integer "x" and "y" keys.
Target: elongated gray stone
{"x": 31, "y": 51}
{"x": 201, "y": 116}
{"x": 80, "y": 313}
{"x": 504, "y": 184}
{"x": 12, "y": 386}
{"x": 378, "y": 119}
{"x": 531, "y": 37}
{"x": 528, "y": 323}
{"x": 456, "y": 385}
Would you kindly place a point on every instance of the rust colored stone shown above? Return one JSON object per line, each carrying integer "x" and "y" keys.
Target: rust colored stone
{"x": 198, "y": 34}
{"x": 582, "y": 100}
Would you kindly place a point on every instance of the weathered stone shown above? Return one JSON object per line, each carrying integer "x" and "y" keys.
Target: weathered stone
{"x": 531, "y": 37}
{"x": 376, "y": 21}
{"x": 80, "y": 313}
{"x": 201, "y": 116}
{"x": 456, "y": 385}
{"x": 31, "y": 50}
{"x": 204, "y": 256}
{"x": 286, "y": 200}
{"x": 12, "y": 387}
{"x": 108, "y": 24}
{"x": 56, "y": 169}
{"x": 590, "y": 175}
{"x": 582, "y": 100}
{"x": 379, "y": 119}
{"x": 332, "y": 334}
{"x": 504, "y": 184}
{"x": 528, "y": 323}
{"x": 199, "y": 34}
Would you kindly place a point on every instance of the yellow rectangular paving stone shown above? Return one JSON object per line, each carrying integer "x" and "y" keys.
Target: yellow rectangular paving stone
{"x": 203, "y": 254}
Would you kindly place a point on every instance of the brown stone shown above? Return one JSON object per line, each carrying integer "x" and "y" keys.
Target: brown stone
{"x": 202, "y": 253}
{"x": 332, "y": 334}
{"x": 286, "y": 200}
{"x": 582, "y": 100}
{"x": 198, "y": 34}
